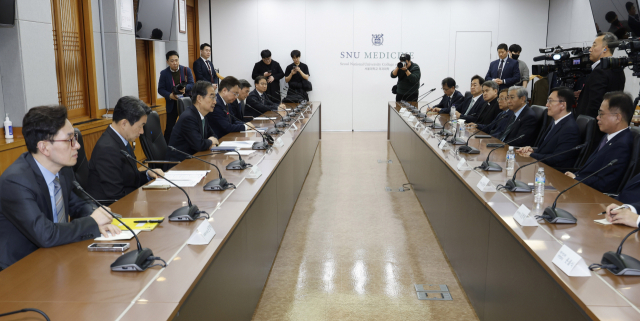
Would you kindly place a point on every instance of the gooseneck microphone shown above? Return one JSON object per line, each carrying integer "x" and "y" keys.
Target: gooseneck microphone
{"x": 416, "y": 111}
{"x": 46, "y": 317}
{"x": 618, "y": 263}
{"x": 411, "y": 90}
{"x": 239, "y": 164}
{"x": 264, "y": 144}
{"x": 218, "y": 184}
{"x": 185, "y": 213}
{"x": 491, "y": 166}
{"x": 134, "y": 261}
{"x": 271, "y": 131}
{"x": 426, "y": 119}
{"x": 455, "y": 140}
{"x": 514, "y": 185}
{"x": 472, "y": 150}
{"x": 556, "y": 215}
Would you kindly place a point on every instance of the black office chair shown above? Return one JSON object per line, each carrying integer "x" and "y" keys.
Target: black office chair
{"x": 634, "y": 168}
{"x": 153, "y": 144}
{"x": 586, "y": 128}
{"x": 81, "y": 168}
{"x": 183, "y": 104}
{"x": 541, "y": 121}
{"x": 467, "y": 94}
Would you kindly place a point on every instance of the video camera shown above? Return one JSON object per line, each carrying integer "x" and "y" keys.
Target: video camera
{"x": 632, "y": 48}
{"x": 569, "y": 64}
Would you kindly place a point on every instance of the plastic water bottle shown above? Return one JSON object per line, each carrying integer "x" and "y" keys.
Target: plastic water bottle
{"x": 8, "y": 127}
{"x": 539, "y": 186}
{"x": 453, "y": 113}
{"x": 511, "y": 159}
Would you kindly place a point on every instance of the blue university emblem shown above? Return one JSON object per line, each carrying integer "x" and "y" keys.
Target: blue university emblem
{"x": 377, "y": 40}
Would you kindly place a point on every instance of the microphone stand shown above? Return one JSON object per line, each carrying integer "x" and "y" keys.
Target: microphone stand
{"x": 218, "y": 184}
{"x": 491, "y": 166}
{"x": 264, "y": 144}
{"x": 455, "y": 140}
{"x": 236, "y": 164}
{"x": 426, "y": 119}
{"x": 472, "y": 150}
{"x": 185, "y": 213}
{"x": 290, "y": 114}
{"x": 416, "y": 111}
{"x": 271, "y": 131}
{"x": 411, "y": 91}
{"x": 621, "y": 264}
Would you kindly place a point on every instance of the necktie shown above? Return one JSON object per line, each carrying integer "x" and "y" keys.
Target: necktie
{"x": 553, "y": 125}
{"x": 604, "y": 141}
{"x": 512, "y": 120}
{"x": 203, "y": 127}
{"x": 473, "y": 102}
{"x": 500, "y": 69}
{"x": 130, "y": 150}
{"x": 209, "y": 67}
{"x": 57, "y": 191}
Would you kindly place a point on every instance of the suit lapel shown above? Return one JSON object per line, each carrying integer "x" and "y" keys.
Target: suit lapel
{"x": 116, "y": 139}
{"x": 604, "y": 149}
{"x": 44, "y": 189}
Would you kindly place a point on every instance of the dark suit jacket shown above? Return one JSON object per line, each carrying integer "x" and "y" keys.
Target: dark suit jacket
{"x": 475, "y": 109}
{"x": 165, "y": 85}
{"x": 525, "y": 124}
{"x": 510, "y": 72}
{"x": 561, "y": 137}
{"x": 220, "y": 120}
{"x": 445, "y": 104}
{"x": 599, "y": 82}
{"x": 26, "y": 216}
{"x": 489, "y": 112}
{"x": 273, "y": 88}
{"x": 498, "y": 125}
{"x": 187, "y": 135}
{"x": 261, "y": 104}
{"x": 630, "y": 194}
{"x": 609, "y": 179}
{"x": 112, "y": 175}
{"x": 236, "y": 108}
{"x": 201, "y": 72}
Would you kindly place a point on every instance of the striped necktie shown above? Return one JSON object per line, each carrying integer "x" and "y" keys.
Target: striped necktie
{"x": 57, "y": 191}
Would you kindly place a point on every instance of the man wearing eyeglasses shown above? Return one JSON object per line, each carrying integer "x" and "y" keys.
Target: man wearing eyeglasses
{"x": 561, "y": 135}
{"x": 222, "y": 120}
{"x": 37, "y": 205}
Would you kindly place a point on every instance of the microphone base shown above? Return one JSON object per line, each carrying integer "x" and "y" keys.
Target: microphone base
{"x": 427, "y": 120}
{"x": 558, "y": 216}
{"x": 286, "y": 119}
{"x": 185, "y": 213}
{"x": 625, "y": 264}
{"x": 260, "y": 146}
{"x": 292, "y": 114}
{"x": 133, "y": 261}
{"x": 468, "y": 150}
{"x": 237, "y": 165}
{"x": 218, "y": 184}
{"x": 436, "y": 126}
{"x": 445, "y": 132}
{"x": 274, "y": 131}
{"x": 457, "y": 141}
{"x": 281, "y": 124}
{"x": 490, "y": 167}
{"x": 518, "y": 186}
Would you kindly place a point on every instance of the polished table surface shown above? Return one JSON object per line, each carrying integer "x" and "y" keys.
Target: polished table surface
{"x": 70, "y": 283}
{"x": 603, "y": 295}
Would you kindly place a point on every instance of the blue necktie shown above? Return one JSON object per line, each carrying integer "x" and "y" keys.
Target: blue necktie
{"x": 57, "y": 191}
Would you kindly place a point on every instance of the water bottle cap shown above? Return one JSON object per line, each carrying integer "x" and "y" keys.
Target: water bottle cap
{"x": 541, "y": 169}
{"x": 510, "y": 148}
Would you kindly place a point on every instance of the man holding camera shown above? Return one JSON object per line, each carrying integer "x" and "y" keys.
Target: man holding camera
{"x": 271, "y": 70}
{"x": 408, "y": 74}
{"x": 174, "y": 82}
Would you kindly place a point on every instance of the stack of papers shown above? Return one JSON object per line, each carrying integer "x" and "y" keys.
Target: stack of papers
{"x": 124, "y": 235}
{"x": 180, "y": 178}
{"x": 244, "y": 144}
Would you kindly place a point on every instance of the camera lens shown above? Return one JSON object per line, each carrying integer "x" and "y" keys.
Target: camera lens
{"x": 402, "y": 64}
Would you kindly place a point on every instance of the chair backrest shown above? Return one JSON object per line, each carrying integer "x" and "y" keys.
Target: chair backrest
{"x": 152, "y": 140}
{"x": 541, "y": 121}
{"x": 634, "y": 167}
{"x": 183, "y": 104}
{"x": 81, "y": 168}
{"x": 586, "y": 127}
{"x": 467, "y": 94}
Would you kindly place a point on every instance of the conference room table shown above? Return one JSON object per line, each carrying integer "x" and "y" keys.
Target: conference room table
{"x": 222, "y": 280}
{"x": 506, "y": 269}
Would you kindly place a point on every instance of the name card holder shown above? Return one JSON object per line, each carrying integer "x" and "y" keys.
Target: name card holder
{"x": 463, "y": 165}
{"x": 412, "y": 118}
{"x": 278, "y": 142}
{"x": 402, "y": 110}
{"x": 442, "y": 144}
{"x": 254, "y": 173}
{"x": 202, "y": 235}
{"x": 523, "y": 217}
{"x": 571, "y": 263}
{"x": 485, "y": 185}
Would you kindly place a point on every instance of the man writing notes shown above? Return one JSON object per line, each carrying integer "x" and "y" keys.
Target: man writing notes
{"x": 451, "y": 97}
{"x": 258, "y": 99}
{"x": 271, "y": 70}
{"x": 504, "y": 71}
{"x": 113, "y": 175}
{"x": 37, "y": 205}
{"x": 203, "y": 68}
{"x": 174, "y": 75}
{"x": 222, "y": 120}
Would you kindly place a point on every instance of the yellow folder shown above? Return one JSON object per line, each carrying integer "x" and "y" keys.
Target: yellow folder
{"x": 130, "y": 221}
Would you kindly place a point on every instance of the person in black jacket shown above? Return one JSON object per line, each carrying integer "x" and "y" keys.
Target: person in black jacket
{"x": 561, "y": 135}
{"x": 37, "y": 205}
{"x": 259, "y": 101}
{"x": 203, "y": 68}
{"x": 238, "y": 107}
{"x": 271, "y": 70}
{"x": 451, "y": 97}
{"x": 491, "y": 109}
{"x": 113, "y": 175}
{"x": 522, "y": 122}
{"x": 193, "y": 133}
{"x": 472, "y": 106}
{"x": 297, "y": 76}
{"x": 497, "y": 126}
{"x": 222, "y": 119}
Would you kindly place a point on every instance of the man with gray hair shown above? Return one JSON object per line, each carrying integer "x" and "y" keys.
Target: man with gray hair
{"x": 523, "y": 120}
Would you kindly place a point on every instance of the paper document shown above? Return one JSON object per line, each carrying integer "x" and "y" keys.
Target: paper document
{"x": 238, "y": 144}
{"x": 242, "y": 153}
{"x": 182, "y": 183}
{"x": 265, "y": 118}
{"x": 603, "y": 221}
{"x": 124, "y": 235}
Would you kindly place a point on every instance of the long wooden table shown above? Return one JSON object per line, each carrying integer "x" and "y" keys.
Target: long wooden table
{"x": 505, "y": 269}
{"x": 219, "y": 281}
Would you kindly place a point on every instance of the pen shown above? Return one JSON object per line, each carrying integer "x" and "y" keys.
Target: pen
{"x": 617, "y": 208}
{"x": 149, "y": 221}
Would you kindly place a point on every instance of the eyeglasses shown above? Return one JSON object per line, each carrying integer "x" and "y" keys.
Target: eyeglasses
{"x": 73, "y": 140}
{"x": 237, "y": 94}
{"x": 554, "y": 100}
{"x": 502, "y": 99}
{"x": 600, "y": 113}
{"x": 512, "y": 97}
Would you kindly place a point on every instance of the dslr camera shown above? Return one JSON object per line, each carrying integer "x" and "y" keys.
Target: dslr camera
{"x": 569, "y": 64}
{"x": 177, "y": 89}
{"x": 403, "y": 60}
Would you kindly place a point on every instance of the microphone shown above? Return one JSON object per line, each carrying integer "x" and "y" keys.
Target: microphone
{"x": 491, "y": 166}
{"x": 556, "y": 215}
{"x": 426, "y": 119}
{"x": 138, "y": 260}
{"x": 46, "y": 317}
{"x": 218, "y": 184}
{"x": 455, "y": 140}
{"x": 274, "y": 97}
{"x": 514, "y": 185}
{"x": 472, "y": 150}
{"x": 239, "y": 164}
{"x": 416, "y": 111}
{"x": 264, "y": 144}
{"x": 411, "y": 91}
{"x": 292, "y": 113}
{"x": 618, "y": 263}
{"x": 271, "y": 131}
{"x": 185, "y": 213}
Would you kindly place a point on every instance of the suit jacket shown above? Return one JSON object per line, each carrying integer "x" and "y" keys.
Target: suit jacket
{"x": 165, "y": 85}
{"x": 201, "y": 72}
{"x": 510, "y": 72}
{"x": 599, "y": 82}
{"x": 498, "y": 125}
{"x": 472, "y": 116}
{"x": 526, "y": 124}
{"x": 112, "y": 175}
{"x": 608, "y": 180}
{"x": 273, "y": 88}
{"x": 630, "y": 194}
{"x": 187, "y": 136}
{"x": 488, "y": 113}
{"x": 220, "y": 120}
{"x": 559, "y": 138}
{"x": 445, "y": 104}
{"x": 236, "y": 108}
{"x": 26, "y": 216}
{"x": 261, "y": 104}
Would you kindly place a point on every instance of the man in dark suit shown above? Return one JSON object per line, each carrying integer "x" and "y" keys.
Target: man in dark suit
{"x": 193, "y": 133}
{"x": 238, "y": 107}
{"x": 37, "y": 205}
{"x": 272, "y": 71}
{"x": 491, "y": 109}
{"x": 203, "y": 68}
{"x": 472, "y": 106}
{"x": 614, "y": 118}
{"x": 561, "y": 136}
{"x": 522, "y": 122}
{"x": 259, "y": 101}
{"x": 174, "y": 75}
{"x": 113, "y": 175}
{"x": 451, "y": 97}
{"x": 504, "y": 71}
{"x": 497, "y": 126}
{"x": 221, "y": 119}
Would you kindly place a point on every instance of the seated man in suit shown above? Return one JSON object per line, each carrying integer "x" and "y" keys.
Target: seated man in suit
{"x": 614, "y": 118}
{"x": 258, "y": 100}
{"x": 271, "y": 70}
{"x": 492, "y": 107}
{"x": 562, "y": 135}
{"x": 222, "y": 119}
{"x": 497, "y": 126}
{"x": 193, "y": 133}
{"x": 451, "y": 97}
{"x": 174, "y": 75}
{"x": 473, "y": 105}
{"x": 37, "y": 205}
{"x": 238, "y": 106}
{"x": 522, "y": 122}
{"x": 504, "y": 71}
{"x": 113, "y": 175}
{"x": 203, "y": 68}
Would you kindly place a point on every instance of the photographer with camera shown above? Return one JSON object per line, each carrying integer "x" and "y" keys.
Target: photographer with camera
{"x": 408, "y": 74}
{"x": 174, "y": 82}
{"x": 298, "y": 79}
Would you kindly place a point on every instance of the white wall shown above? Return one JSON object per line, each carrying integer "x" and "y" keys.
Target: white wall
{"x": 353, "y": 97}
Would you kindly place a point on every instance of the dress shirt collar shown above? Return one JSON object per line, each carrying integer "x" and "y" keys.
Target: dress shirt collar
{"x": 517, "y": 113}
{"x": 205, "y": 60}
{"x": 561, "y": 118}
{"x": 123, "y": 140}
{"x": 175, "y": 70}
{"x": 199, "y": 113}
{"x": 595, "y": 64}
{"x": 612, "y": 135}
{"x": 48, "y": 176}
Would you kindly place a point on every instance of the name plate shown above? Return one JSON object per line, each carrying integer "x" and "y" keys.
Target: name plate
{"x": 523, "y": 218}
{"x": 278, "y": 142}
{"x": 202, "y": 235}
{"x": 485, "y": 185}
{"x": 293, "y": 125}
{"x": 462, "y": 165}
{"x": 442, "y": 144}
{"x": 255, "y": 172}
{"x": 412, "y": 118}
{"x": 571, "y": 263}
{"x": 402, "y": 110}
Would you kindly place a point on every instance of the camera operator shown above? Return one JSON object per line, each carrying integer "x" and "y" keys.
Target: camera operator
{"x": 174, "y": 82}
{"x": 408, "y": 74}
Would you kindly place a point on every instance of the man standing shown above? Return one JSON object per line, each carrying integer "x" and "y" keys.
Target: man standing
{"x": 408, "y": 79}
{"x": 258, "y": 100}
{"x": 203, "y": 68}
{"x": 522, "y": 122}
{"x": 271, "y": 70}
{"x": 297, "y": 78}
{"x": 504, "y": 71}
{"x": 222, "y": 119}
{"x": 174, "y": 82}
{"x": 514, "y": 53}
{"x": 451, "y": 97}
{"x": 113, "y": 175}
{"x": 37, "y": 205}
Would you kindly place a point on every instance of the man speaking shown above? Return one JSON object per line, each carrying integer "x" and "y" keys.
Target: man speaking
{"x": 408, "y": 75}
